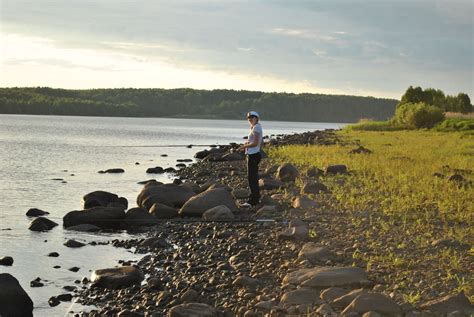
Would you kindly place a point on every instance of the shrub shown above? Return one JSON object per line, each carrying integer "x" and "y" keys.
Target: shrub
{"x": 455, "y": 124}
{"x": 418, "y": 115}
{"x": 367, "y": 125}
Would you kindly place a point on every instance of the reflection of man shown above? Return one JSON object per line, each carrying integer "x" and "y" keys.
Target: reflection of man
{"x": 252, "y": 148}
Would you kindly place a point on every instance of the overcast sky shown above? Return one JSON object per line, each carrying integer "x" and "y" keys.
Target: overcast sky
{"x": 376, "y": 48}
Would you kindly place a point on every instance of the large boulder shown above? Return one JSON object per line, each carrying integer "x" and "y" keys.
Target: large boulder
{"x": 324, "y": 277}
{"x": 287, "y": 172}
{"x": 114, "y": 278}
{"x": 161, "y": 211}
{"x": 103, "y": 217}
{"x": 14, "y": 301}
{"x": 197, "y": 205}
{"x": 42, "y": 224}
{"x": 6, "y": 260}
{"x": 168, "y": 194}
{"x": 218, "y": 213}
{"x": 139, "y": 217}
{"x": 193, "y": 310}
{"x": 315, "y": 253}
{"x": 301, "y": 296}
{"x": 101, "y": 198}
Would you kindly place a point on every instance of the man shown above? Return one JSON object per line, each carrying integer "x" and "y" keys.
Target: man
{"x": 252, "y": 149}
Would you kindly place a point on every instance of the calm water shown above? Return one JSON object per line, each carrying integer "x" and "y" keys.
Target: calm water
{"x": 34, "y": 150}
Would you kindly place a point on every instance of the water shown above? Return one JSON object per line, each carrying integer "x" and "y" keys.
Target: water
{"x": 34, "y": 150}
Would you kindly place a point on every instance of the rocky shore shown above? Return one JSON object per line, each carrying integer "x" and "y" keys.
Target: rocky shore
{"x": 293, "y": 255}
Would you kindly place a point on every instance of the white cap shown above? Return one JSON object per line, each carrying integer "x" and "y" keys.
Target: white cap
{"x": 253, "y": 113}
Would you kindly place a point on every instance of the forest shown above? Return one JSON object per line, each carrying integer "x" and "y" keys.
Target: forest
{"x": 193, "y": 103}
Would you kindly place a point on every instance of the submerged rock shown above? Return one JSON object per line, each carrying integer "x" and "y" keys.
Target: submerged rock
{"x": 6, "y": 260}
{"x": 42, "y": 224}
{"x": 35, "y": 212}
{"x": 101, "y": 198}
{"x": 103, "y": 217}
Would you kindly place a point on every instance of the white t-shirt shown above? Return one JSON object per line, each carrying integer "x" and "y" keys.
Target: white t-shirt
{"x": 256, "y": 128}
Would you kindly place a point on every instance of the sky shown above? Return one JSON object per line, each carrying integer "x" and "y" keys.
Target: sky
{"x": 366, "y": 48}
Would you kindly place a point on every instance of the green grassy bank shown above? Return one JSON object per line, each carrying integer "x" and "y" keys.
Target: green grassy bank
{"x": 404, "y": 188}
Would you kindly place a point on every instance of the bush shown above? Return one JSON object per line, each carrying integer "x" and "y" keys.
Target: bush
{"x": 367, "y": 125}
{"x": 418, "y": 115}
{"x": 456, "y": 124}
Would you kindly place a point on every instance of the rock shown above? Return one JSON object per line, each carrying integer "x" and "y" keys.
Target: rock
{"x": 115, "y": 170}
{"x": 314, "y": 188}
{"x": 301, "y": 296}
{"x": 314, "y": 253}
{"x": 303, "y": 202}
{"x": 6, "y": 260}
{"x": 193, "y": 310}
{"x": 287, "y": 172}
{"x": 53, "y": 254}
{"x": 267, "y": 212}
{"x": 64, "y": 297}
{"x": 372, "y": 314}
{"x": 373, "y": 302}
{"x": 240, "y": 193}
{"x": 155, "y": 170}
{"x": 162, "y": 211}
{"x": 456, "y": 178}
{"x": 314, "y": 172}
{"x": 190, "y": 296}
{"x": 139, "y": 217}
{"x": 42, "y": 224}
{"x": 84, "y": 228}
{"x": 449, "y": 303}
{"x": 201, "y": 154}
{"x": 346, "y": 299}
{"x": 36, "y": 283}
{"x": 114, "y": 278}
{"x": 269, "y": 201}
{"x": 360, "y": 150}
{"x": 218, "y": 213}
{"x": 299, "y": 233}
{"x": 332, "y": 293}
{"x": 101, "y": 198}
{"x": 168, "y": 194}
{"x": 246, "y": 281}
{"x": 324, "y": 277}
{"x": 269, "y": 183}
{"x": 325, "y": 310}
{"x": 233, "y": 157}
{"x": 103, "y": 217}
{"x": 266, "y": 305}
{"x": 155, "y": 243}
{"x": 197, "y": 205}
{"x": 34, "y": 212}
{"x": 335, "y": 169}
{"x": 53, "y": 301}
{"x": 73, "y": 244}
{"x": 14, "y": 301}
{"x": 74, "y": 269}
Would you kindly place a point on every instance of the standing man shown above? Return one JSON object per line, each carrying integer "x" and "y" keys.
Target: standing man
{"x": 252, "y": 150}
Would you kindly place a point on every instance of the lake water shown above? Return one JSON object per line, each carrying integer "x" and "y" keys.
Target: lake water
{"x": 35, "y": 150}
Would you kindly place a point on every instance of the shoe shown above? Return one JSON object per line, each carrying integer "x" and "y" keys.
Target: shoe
{"x": 245, "y": 205}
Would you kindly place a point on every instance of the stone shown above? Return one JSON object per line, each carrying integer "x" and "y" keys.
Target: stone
{"x": 324, "y": 277}
{"x": 114, "y": 278}
{"x": 14, "y": 301}
{"x": 314, "y": 172}
{"x": 139, "y": 217}
{"x": 103, "y": 217}
{"x": 287, "y": 172}
{"x": 84, "y": 228}
{"x": 268, "y": 211}
{"x": 162, "y": 211}
{"x": 101, "y": 198}
{"x": 301, "y": 296}
{"x": 344, "y": 300}
{"x": 335, "y": 169}
{"x": 53, "y": 254}
{"x": 64, "y": 297}
{"x": 155, "y": 243}
{"x": 372, "y": 314}
{"x": 449, "y": 303}
{"x": 246, "y": 281}
{"x": 115, "y": 170}
{"x": 234, "y": 156}
{"x": 73, "y": 244}
{"x": 300, "y": 233}
{"x": 373, "y": 302}
{"x": 190, "y": 296}
{"x": 6, "y": 260}
{"x": 360, "y": 150}
{"x": 171, "y": 195}
{"x": 314, "y": 188}
{"x": 201, "y": 154}
{"x": 325, "y": 309}
{"x": 314, "y": 253}
{"x": 240, "y": 193}
{"x": 53, "y": 301}
{"x": 269, "y": 201}
{"x": 35, "y": 212}
{"x": 303, "y": 202}
{"x": 270, "y": 183}
{"x": 193, "y": 310}
{"x": 218, "y": 213}
{"x": 155, "y": 170}
{"x": 42, "y": 224}
{"x": 197, "y": 205}
{"x": 332, "y": 293}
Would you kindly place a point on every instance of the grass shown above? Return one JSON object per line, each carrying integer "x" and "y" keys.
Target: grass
{"x": 407, "y": 204}
{"x": 368, "y": 125}
{"x": 456, "y": 124}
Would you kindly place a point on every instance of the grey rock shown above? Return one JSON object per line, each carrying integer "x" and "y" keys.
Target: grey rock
{"x": 101, "y": 198}
{"x": 84, "y": 228}
{"x": 301, "y": 296}
{"x": 373, "y": 302}
{"x": 240, "y": 193}
{"x": 103, "y": 217}
{"x": 269, "y": 183}
{"x": 449, "y": 304}
{"x": 303, "y": 202}
{"x": 193, "y": 310}
{"x": 335, "y": 169}
{"x": 324, "y": 277}
{"x": 139, "y": 217}
{"x": 73, "y": 244}
{"x": 162, "y": 211}
{"x": 168, "y": 194}
{"x": 287, "y": 172}
{"x": 42, "y": 224}
{"x": 346, "y": 299}
{"x": 314, "y": 253}
{"x": 114, "y": 278}
{"x": 35, "y": 212}
{"x": 6, "y": 260}
{"x": 197, "y": 205}
{"x": 314, "y": 188}
{"x": 221, "y": 212}
{"x": 332, "y": 293}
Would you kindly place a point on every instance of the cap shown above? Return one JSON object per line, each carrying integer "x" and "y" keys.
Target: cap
{"x": 252, "y": 114}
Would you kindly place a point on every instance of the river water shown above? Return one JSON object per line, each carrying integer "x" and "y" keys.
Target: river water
{"x": 50, "y": 162}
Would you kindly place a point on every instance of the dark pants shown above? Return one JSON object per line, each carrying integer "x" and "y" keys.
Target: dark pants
{"x": 252, "y": 173}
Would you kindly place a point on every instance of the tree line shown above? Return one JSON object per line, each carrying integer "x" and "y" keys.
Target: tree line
{"x": 437, "y": 98}
{"x": 185, "y": 102}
